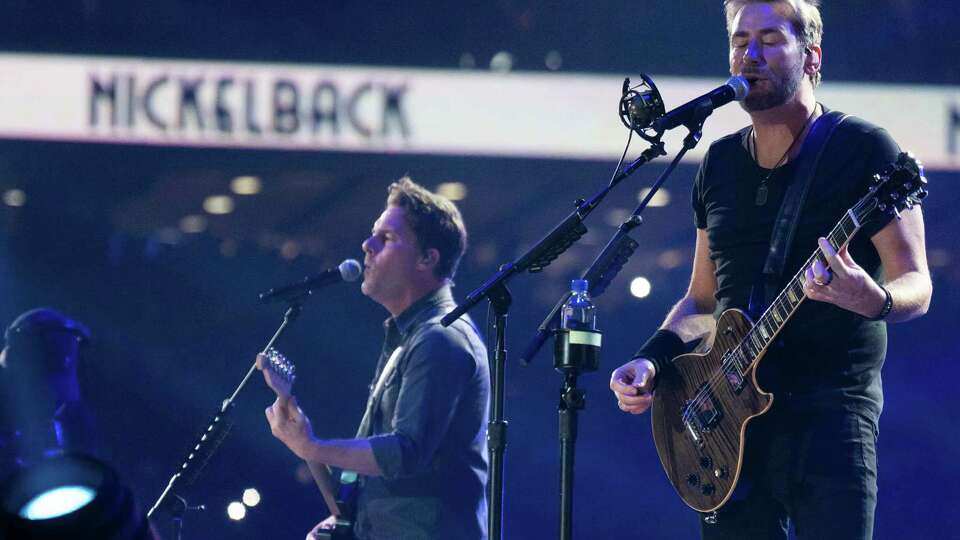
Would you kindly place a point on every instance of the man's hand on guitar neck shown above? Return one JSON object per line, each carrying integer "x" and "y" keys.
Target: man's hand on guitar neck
{"x": 287, "y": 421}
{"x": 844, "y": 284}
{"x": 291, "y": 426}
{"x": 632, "y": 384}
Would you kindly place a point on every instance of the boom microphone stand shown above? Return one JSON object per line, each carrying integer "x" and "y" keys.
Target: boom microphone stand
{"x": 600, "y": 274}
{"x": 494, "y": 289}
{"x": 216, "y": 432}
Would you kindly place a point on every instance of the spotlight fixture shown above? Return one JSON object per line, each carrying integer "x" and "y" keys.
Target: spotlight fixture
{"x": 69, "y": 497}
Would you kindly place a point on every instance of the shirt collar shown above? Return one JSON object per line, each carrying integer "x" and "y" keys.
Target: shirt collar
{"x": 412, "y": 315}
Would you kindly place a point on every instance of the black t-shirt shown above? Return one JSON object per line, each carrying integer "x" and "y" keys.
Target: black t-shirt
{"x": 825, "y": 357}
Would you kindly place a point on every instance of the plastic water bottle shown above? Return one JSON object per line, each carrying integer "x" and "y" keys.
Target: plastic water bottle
{"x": 577, "y": 347}
{"x": 579, "y": 313}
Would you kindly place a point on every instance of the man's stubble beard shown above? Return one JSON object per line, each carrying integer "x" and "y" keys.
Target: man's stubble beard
{"x": 784, "y": 88}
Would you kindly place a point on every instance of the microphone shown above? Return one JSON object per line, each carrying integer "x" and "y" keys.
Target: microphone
{"x": 735, "y": 89}
{"x": 349, "y": 270}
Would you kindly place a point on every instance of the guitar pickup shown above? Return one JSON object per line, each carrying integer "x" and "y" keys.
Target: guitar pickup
{"x": 733, "y": 375}
{"x": 701, "y": 414}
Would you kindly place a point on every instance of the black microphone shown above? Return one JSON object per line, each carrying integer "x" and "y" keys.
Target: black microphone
{"x": 735, "y": 89}
{"x": 349, "y": 270}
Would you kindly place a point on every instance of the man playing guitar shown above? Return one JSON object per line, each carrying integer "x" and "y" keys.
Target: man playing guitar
{"x": 419, "y": 452}
{"x": 811, "y": 460}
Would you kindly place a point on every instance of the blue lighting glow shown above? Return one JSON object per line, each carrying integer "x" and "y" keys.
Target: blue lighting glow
{"x": 57, "y": 502}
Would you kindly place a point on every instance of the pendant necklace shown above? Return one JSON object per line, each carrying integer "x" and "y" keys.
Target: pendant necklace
{"x": 762, "y": 190}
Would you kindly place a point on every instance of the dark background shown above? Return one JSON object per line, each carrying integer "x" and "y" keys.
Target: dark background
{"x": 176, "y": 321}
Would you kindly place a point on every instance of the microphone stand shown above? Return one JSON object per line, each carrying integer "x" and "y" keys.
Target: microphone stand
{"x": 600, "y": 274}
{"x": 494, "y": 289}
{"x": 217, "y": 430}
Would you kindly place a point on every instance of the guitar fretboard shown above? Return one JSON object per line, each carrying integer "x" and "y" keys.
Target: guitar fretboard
{"x": 786, "y": 303}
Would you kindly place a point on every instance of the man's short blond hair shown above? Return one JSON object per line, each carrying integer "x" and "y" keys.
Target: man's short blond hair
{"x": 806, "y": 20}
{"x": 435, "y": 221}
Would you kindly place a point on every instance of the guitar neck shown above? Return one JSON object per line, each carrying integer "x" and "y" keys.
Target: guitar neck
{"x": 769, "y": 325}
{"x": 325, "y": 483}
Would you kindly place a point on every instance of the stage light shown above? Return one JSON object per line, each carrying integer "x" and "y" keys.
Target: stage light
{"x": 502, "y": 62}
{"x": 251, "y": 497}
{"x": 290, "y": 250}
{"x": 467, "y": 61}
{"x": 193, "y": 224}
{"x": 14, "y": 197}
{"x": 57, "y": 502}
{"x": 616, "y": 216}
{"x": 169, "y": 236}
{"x": 69, "y": 497}
{"x": 670, "y": 259}
{"x": 553, "y": 61}
{"x": 661, "y": 198}
{"x": 236, "y": 510}
{"x": 245, "y": 185}
{"x": 455, "y": 191}
{"x": 640, "y": 287}
{"x": 218, "y": 204}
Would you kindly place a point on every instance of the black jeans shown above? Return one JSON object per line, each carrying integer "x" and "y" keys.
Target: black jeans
{"x": 815, "y": 471}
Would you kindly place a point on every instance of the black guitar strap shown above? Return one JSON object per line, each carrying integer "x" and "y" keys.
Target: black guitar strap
{"x": 765, "y": 288}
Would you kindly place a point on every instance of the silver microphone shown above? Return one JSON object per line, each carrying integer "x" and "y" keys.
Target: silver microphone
{"x": 348, "y": 270}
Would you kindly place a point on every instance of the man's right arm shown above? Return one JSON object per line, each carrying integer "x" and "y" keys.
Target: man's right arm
{"x": 689, "y": 320}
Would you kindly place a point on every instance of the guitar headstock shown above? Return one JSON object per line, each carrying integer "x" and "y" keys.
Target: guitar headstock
{"x": 279, "y": 373}
{"x": 900, "y": 185}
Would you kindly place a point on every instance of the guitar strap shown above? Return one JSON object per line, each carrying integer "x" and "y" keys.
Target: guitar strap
{"x": 766, "y": 286}
{"x": 349, "y": 477}
{"x": 388, "y": 368}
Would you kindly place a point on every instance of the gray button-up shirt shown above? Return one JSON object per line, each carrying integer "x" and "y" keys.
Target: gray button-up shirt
{"x": 427, "y": 430}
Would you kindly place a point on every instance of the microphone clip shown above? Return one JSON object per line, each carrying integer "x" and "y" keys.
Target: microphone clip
{"x": 640, "y": 106}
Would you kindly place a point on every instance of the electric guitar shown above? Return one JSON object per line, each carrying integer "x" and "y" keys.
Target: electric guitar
{"x": 280, "y": 375}
{"x": 703, "y": 403}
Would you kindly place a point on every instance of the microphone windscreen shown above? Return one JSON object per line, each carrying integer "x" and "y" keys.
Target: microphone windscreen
{"x": 740, "y": 85}
{"x": 350, "y": 270}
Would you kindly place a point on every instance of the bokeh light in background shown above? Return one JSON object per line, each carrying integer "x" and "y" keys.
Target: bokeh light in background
{"x": 245, "y": 185}
{"x": 14, "y": 197}
{"x": 660, "y": 198}
{"x": 218, "y": 204}
{"x": 455, "y": 191}
{"x": 640, "y": 287}
{"x": 251, "y": 497}
{"x": 236, "y": 510}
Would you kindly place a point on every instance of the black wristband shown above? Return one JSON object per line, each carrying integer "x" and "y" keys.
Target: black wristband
{"x": 887, "y": 306}
{"x": 661, "y": 348}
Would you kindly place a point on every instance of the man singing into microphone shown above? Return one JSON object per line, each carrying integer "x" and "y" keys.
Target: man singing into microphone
{"x": 811, "y": 461}
{"x": 420, "y": 447}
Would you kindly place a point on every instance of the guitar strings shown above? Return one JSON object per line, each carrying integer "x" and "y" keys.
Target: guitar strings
{"x": 835, "y": 241}
{"x": 703, "y": 394}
